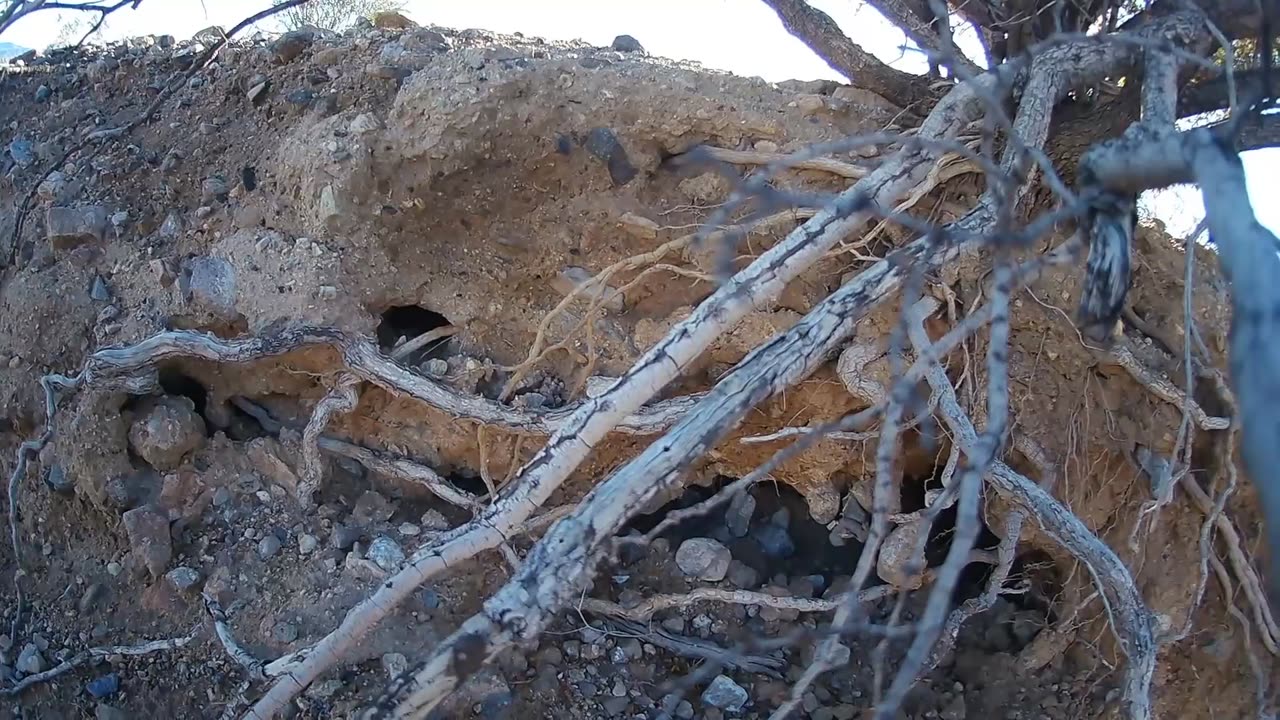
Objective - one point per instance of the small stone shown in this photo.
(436, 368)
(208, 285)
(165, 434)
(327, 292)
(409, 529)
(183, 578)
(684, 710)
(149, 537)
(743, 575)
(395, 664)
(307, 544)
(345, 536)
(221, 496)
(119, 218)
(114, 569)
(616, 705)
(43, 93)
(703, 558)
(372, 507)
(430, 599)
(99, 290)
(639, 226)
(810, 104)
(104, 687)
(256, 91)
(290, 45)
(725, 694)
(107, 712)
(738, 516)
(268, 546)
(626, 43)
(434, 521)
(30, 661)
(302, 97)
(56, 479)
(22, 151)
(68, 228)
(774, 540)
(386, 553)
(897, 553)
(674, 624)
(766, 146)
(214, 189)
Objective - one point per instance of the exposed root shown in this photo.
(84, 656)
(341, 398)
(822, 164)
(402, 351)
(1165, 390)
(658, 603)
(702, 650)
(377, 461)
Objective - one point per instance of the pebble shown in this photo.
(344, 536)
(774, 540)
(684, 710)
(434, 520)
(743, 575)
(738, 517)
(99, 291)
(104, 687)
(386, 553)
(30, 661)
(616, 705)
(183, 578)
(725, 694)
(372, 507)
(291, 44)
(68, 228)
(307, 544)
(626, 43)
(170, 430)
(268, 546)
(58, 481)
(214, 188)
(149, 537)
(43, 93)
(409, 529)
(114, 569)
(395, 664)
(208, 285)
(703, 558)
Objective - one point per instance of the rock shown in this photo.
(104, 687)
(774, 540)
(604, 144)
(639, 226)
(114, 569)
(307, 544)
(208, 285)
(394, 664)
(743, 575)
(301, 97)
(954, 710)
(149, 538)
(386, 553)
(738, 517)
(71, 227)
(626, 43)
(290, 45)
(30, 661)
(810, 104)
(616, 705)
(392, 20)
(725, 694)
(371, 507)
(706, 189)
(214, 189)
(435, 521)
(268, 546)
(896, 555)
(107, 712)
(56, 479)
(99, 290)
(43, 93)
(22, 151)
(436, 368)
(170, 430)
(409, 529)
(703, 558)
(345, 536)
(684, 710)
(183, 578)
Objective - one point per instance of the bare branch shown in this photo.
(817, 30)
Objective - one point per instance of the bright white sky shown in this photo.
(740, 36)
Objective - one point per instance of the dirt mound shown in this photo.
(445, 199)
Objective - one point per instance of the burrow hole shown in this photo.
(404, 323)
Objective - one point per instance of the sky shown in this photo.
(744, 37)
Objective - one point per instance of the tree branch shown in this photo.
(817, 30)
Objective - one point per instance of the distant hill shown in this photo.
(8, 50)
